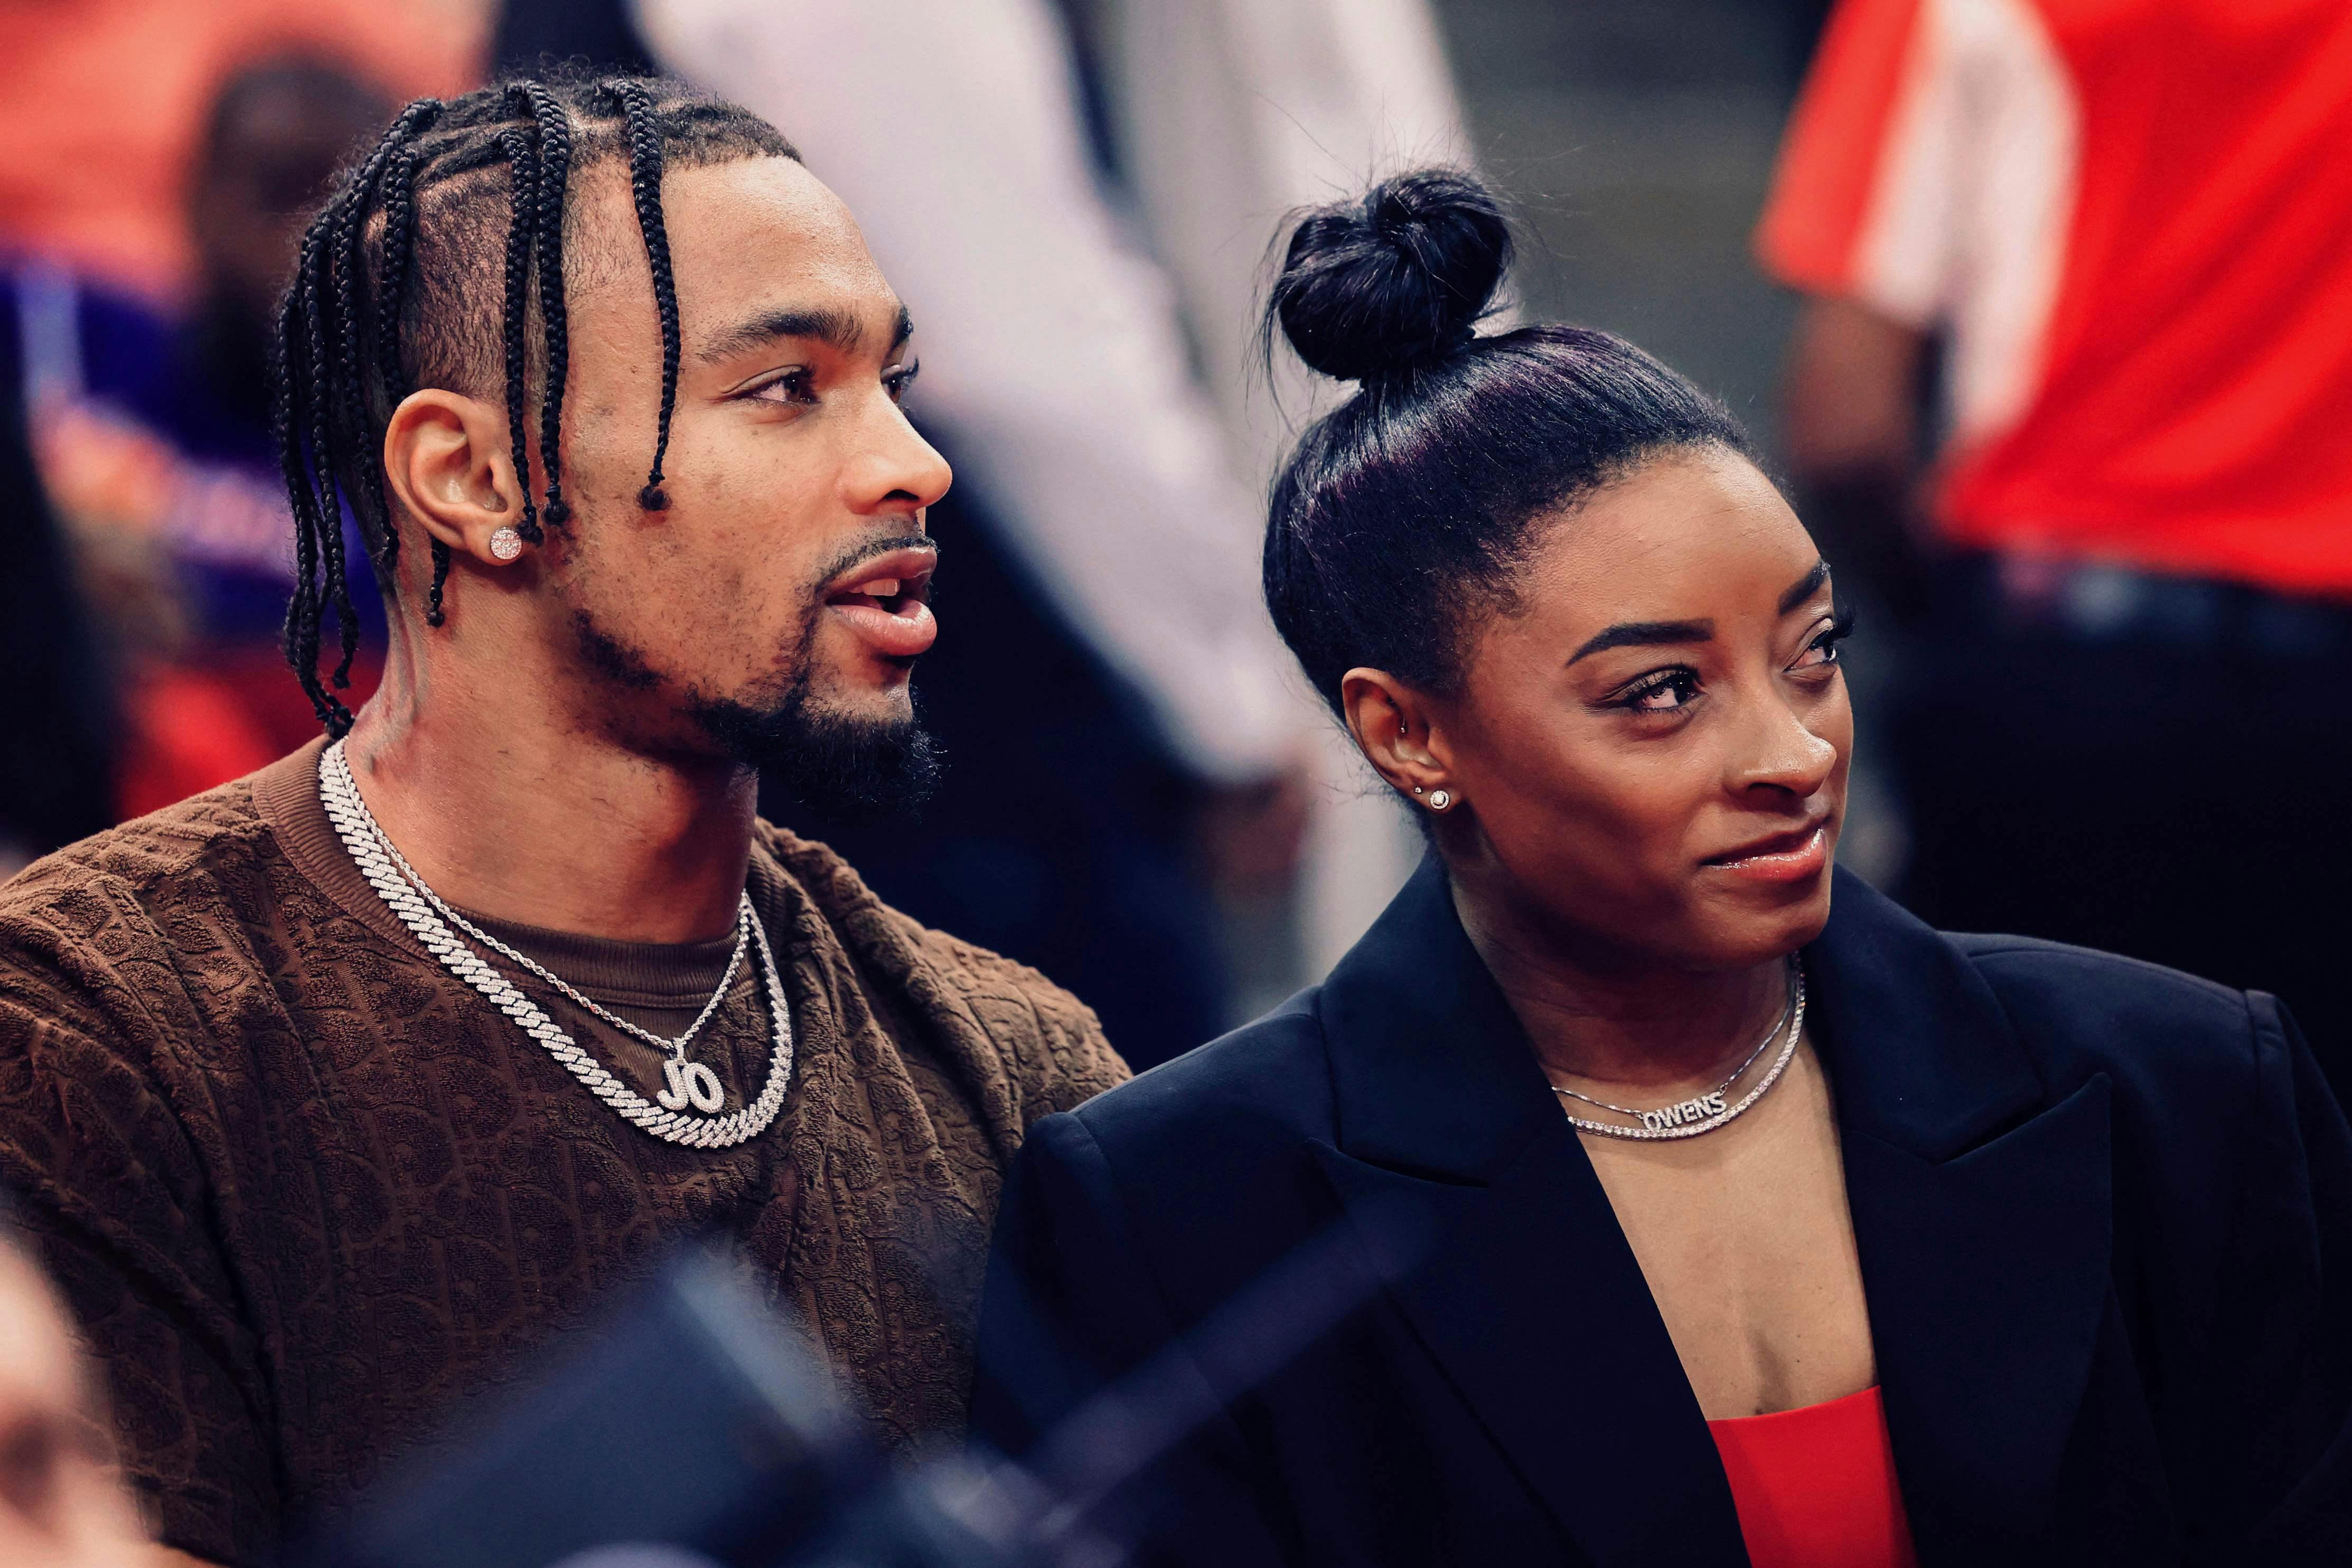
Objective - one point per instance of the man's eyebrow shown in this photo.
(1647, 634)
(838, 329)
(1806, 587)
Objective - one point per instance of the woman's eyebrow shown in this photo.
(1806, 587)
(1647, 634)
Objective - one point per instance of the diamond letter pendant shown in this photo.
(691, 1081)
(1689, 1111)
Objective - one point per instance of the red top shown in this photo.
(1816, 1487)
(2128, 216)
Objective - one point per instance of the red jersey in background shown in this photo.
(2132, 221)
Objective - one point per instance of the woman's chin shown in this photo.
(1746, 932)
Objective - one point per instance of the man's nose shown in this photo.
(898, 470)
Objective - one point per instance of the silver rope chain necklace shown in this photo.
(1703, 1113)
(689, 1083)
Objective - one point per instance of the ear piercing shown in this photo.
(506, 544)
(1438, 798)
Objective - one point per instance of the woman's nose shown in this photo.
(1782, 752)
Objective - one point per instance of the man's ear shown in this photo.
(448, 461)
(1394, 727)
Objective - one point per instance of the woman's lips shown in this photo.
(1790, 857)
(884, 603)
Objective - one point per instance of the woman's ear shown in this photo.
(448, 462)
(1395, 729)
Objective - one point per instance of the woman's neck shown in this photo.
(1597, 1014)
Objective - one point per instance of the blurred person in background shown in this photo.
(59, 734)
(62, 1501)
(1215, 120)
(104, 102)
(2112, 232)
(155, 438)
(119, 123)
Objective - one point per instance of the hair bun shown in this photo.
(1395, 280)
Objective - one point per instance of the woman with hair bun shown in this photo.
(1640, 1188)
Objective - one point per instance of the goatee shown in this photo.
(843, 768)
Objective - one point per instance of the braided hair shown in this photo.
(392, 291)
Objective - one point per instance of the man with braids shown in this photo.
(333, 1090)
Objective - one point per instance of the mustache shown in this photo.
(857, 555)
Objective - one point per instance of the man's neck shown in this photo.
(521, 813)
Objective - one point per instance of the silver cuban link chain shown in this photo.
(689, 1083)
(1705, 1113)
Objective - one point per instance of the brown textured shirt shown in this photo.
(304, 1188)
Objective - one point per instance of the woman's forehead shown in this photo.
(1693, 534)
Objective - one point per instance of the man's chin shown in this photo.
(843, 766)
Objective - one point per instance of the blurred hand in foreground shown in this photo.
(60, 1506)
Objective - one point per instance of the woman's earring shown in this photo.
(506, 544)
(1440, 799)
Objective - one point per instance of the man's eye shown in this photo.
(792, 386)
(900, 380)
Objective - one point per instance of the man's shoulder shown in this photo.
(186, 852)
(1036, 1025)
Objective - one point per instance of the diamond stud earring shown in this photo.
(506, 544)
(1440, 799)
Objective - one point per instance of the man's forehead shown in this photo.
(749, 237)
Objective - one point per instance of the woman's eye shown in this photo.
(792, 386)
(1822, 650)
(1662, 694)
(900, 380)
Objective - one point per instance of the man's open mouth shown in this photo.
(885, 602)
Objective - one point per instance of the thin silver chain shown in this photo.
(1730, 1078)
(1793, 1020)
(419, 909)
(672, 1046)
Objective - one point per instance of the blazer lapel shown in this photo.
(1981, 1211)
(1483, 1218)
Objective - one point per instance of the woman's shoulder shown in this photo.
(2160, 1031)
(1265, 1086)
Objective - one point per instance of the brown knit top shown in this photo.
(303, 1187)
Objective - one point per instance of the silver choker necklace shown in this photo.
(1705, 1113)
(429, 917)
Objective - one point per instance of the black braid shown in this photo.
(350, 387)
(554, 177)
(524, 168)
(399, 246)
(318, 360)
(440, 551)
(319, 319)
(645, 184)
(291, 390)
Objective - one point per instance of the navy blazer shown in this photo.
(1343, 1288)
